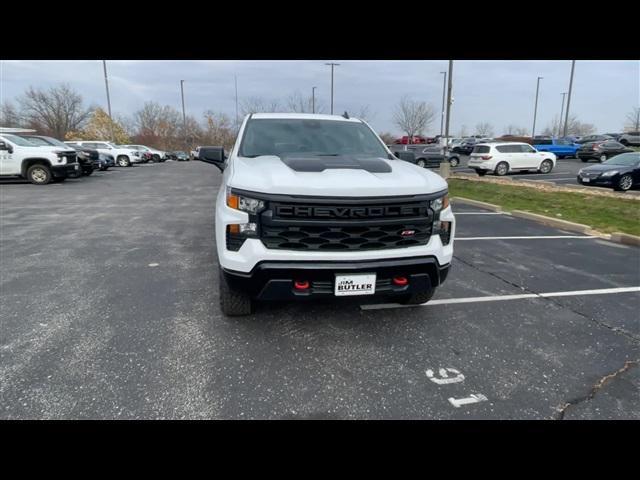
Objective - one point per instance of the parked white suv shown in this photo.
(504, 157)
(630, 138)
(125, 157)
(314, 206)
(40, 165)
(158, 155)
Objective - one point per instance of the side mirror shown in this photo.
(406, 156)
(6, 147)
(213, 155)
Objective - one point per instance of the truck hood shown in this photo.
(332, 176)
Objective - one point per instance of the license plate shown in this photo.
(77, 167)
(362, 284)
(585, 179)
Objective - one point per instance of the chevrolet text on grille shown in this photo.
(351, 212)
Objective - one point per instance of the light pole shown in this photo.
(184, 115)
(449, 88)
(564, 94)
(444, 90)
(566, 115)
(535, 108)
(313, 99)
(106, 83)
(332, 65)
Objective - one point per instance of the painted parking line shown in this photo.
(553, 179)
(480, 213)
(530, 237)
(500, 298)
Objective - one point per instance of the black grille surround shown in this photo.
(304, 223)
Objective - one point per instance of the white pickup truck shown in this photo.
(125, 157)
(40, 165)
(317, 206)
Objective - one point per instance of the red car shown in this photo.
(415, 140)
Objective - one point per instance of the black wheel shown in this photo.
(416, 298)
(546, 166)
(584, 160)
(421, 163)
(624, 141)
(502, 168)
(156, 158)
(88, 171)
(39, 174)
(232, 302)
(625, 182)
(454, 161)
(603, 158)
(481, 173)
(123, 161)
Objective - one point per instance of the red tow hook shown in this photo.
(301, 285)
(400, 281)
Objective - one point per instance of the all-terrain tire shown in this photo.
(232, 302)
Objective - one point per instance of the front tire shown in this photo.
(232, 302)
(454, 162)
(546, 166)
(584, 160)
(123, 161)
(421, 163)
(625, 182)
(603, 158)
(416, 298)
(39, 174)
(502, 169)
(624, 141)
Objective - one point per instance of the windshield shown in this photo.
(627, 159)
(282, 136)
(23, 142)
(40, 142)
(56, 142)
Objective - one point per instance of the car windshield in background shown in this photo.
(23, 142)
(626, 159)
(309, 137)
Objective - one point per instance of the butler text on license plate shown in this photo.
(361, 284)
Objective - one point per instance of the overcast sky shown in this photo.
(498, 92)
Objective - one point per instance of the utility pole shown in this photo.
(564, 94)
(106, 83)
(184, 115)
(313, 99)
(332, 65)
(566, 117)
(535, 108)
(444, 91)
(449, 88)
(237, 122)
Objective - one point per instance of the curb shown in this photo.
(476, 203)
(553, 222)
(625, 239)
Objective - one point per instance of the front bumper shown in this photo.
(608, 181)
(275, 280)
(66, 170)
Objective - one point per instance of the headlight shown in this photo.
(610, 173)
(439, 204)
(244, 204)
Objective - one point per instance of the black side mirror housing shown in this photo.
(213, 155)
(406, 156)
(4, 146)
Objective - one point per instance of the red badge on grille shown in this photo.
(407, 233)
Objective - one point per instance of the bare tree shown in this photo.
(633, 120)
(512, 129)
(413, 117)
(258, 105)
(10, 116)
(219, 129)
(55, 111)
(485, 129)
(574, 126)
(464, 131)
(365, 113)
(157, 126)
(387, 138)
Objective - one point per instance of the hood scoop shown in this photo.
(315, 163)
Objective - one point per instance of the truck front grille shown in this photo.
(332, 227)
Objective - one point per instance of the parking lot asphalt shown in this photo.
(564, 173)
(109, 309)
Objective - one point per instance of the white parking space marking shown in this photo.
(445, 379)
(553, 179)
(480, 213)
(475, 398)
(532, 237)
(498, 298)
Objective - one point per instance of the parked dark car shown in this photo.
(594, 138)
(105, 161)
(424, 156)
(87, 158)
(179, 156)
(466, 147)
(600, 151)
(621, 172)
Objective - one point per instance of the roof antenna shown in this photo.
(345, 114)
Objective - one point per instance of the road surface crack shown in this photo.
(562, 410)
